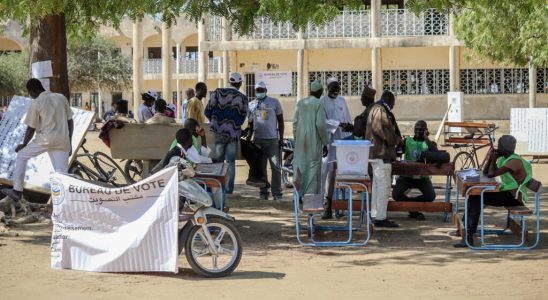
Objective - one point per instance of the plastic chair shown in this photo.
(518, 213)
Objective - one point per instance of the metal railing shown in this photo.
(187, 66)
(265, 29)
(416, 82)
(349, 23)
(403, 22)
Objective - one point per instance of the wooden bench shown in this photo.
(421, 169)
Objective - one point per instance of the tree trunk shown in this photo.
(48, 41)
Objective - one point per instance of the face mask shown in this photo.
(261, 96)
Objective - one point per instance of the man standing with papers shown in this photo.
(339, 126)
(49, 120)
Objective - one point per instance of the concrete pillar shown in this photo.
(300, 74)
(454, 69)
(166, 63)
(532, 86)
(202, 55)
(375, 18)
(227, 36)
(137, 64)
(179, 113)
(376, 70)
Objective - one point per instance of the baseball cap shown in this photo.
(235, 78)
(260, 85)
(153, 94)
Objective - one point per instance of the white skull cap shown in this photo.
(235, 77)
(260, 85)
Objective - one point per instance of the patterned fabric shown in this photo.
(227, 110)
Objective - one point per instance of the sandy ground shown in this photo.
(414, 261)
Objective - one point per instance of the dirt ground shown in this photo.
(414, 261)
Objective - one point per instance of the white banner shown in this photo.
(12, 132)
(127, 229)
(530, 128)
(277, 82)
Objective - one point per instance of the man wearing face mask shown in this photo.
(336, 111)
(414, 148)
(383, 132)
(267, 124)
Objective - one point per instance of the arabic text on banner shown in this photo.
(126, 229)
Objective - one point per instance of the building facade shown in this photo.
(384, 46)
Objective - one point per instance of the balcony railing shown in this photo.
(187, 66)
(265, 29)
(347, 24)
(403, 22)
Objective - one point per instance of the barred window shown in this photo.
(352, 82)
(416, 82)
(494, 81)
(542, 81)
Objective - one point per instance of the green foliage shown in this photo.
(14, 73)
(97, 62)
(504, 31)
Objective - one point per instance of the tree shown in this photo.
(95, 62)
(505, 31)
(13, 73)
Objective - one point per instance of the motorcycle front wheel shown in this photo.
(226, 241)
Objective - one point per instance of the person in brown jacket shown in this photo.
(383, 132)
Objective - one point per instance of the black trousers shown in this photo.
(404, 184)
(493, 199)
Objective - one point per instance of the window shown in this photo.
(250, 85)
(352, 82)
(76, 99)
(542, 81)
(416, 82)
(154, 52)
(494, 81)
(191, 53)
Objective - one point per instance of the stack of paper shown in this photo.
(469, 175)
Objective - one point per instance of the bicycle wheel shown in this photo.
(464, 160)
(79, 170)
(111, 171)
(132, 172)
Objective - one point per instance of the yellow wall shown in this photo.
(338, 59)
(257, 60)
(468, 60)
(7, 44)
(415, 58)
(124, 43)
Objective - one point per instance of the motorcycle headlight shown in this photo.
(195, 194)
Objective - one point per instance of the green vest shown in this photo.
(508, 183)
(196, 142)
(413, 150)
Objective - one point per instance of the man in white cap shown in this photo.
(227, 110)
(266, 122)
(311, 137)
(145, 109)
(336, 114)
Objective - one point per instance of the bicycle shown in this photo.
(468, 158)
(98, 167)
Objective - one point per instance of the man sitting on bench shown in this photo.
(414, 148)
(514, 171)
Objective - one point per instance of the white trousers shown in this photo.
(59, 160)
(382, 183)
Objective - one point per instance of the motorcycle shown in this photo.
(211, 242)
(287, 158)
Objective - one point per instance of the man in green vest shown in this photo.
(414, 148)
(514, 172)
